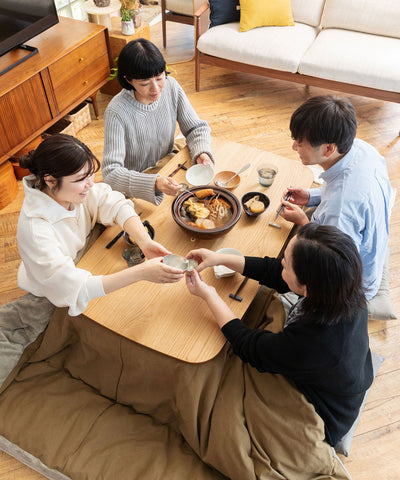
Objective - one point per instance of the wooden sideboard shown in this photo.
(72, 64)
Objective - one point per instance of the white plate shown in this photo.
(222, 271)
(199, 175)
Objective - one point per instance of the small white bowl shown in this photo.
(222, 271)
(199, 175)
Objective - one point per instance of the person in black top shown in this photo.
(323, 347)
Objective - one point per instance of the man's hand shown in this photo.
(293, 213)
(299, 196)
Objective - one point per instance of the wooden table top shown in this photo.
(166, 317)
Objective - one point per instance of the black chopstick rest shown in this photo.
(235, 295)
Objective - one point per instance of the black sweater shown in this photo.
(330, 364)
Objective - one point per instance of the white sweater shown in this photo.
(137, 136)
(49, 238)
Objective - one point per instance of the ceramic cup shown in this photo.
(182, 263)
(266, 174)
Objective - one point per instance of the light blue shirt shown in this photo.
(356, 199)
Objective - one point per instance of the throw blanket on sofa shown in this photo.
(94, 405)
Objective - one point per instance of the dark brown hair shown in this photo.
(327, 262)
(325, 119)
(59, 155)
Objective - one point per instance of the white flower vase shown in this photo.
(127, 28)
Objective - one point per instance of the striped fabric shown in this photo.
(137, 136)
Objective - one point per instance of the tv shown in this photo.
(21, 20)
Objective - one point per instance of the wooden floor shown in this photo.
(256, 111)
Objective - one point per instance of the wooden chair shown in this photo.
(180, 11)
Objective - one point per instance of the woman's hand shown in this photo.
(167, 185)
(204, 159)
(152, 249)
(156, 271)
(299, 196)
(204, 257)
(139, 234)
(293, 213)
(153, 270)
(220, 310)
(197, 286)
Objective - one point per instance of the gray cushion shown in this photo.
(380, 307)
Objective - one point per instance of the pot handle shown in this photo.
(149, 229)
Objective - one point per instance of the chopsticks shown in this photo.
(286, 198)
(117, 237)
(180, 165)
(235, 295)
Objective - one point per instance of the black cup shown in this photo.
(132, 254)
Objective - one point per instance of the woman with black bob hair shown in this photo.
(139, 60)
(140, 124)
(323, 346)
(61, 207)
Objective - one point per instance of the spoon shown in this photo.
(224, 184)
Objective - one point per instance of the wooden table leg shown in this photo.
(93, 100)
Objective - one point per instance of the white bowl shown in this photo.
(199, 175)
(222, 271)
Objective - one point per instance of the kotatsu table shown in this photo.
(143, 386)
(167, 318)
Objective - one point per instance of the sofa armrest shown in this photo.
(201, 20)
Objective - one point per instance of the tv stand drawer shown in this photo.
(72, 63)
(80, 59)
(82, 82)
(23, 111)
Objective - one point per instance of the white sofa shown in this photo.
(346, 45)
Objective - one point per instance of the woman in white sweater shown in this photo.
(140, 124)
(62, 205)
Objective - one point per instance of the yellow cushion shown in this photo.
(261, 13)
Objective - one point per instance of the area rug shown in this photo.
(151, 12)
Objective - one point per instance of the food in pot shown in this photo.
(206, 210)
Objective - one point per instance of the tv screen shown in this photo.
(21, 20)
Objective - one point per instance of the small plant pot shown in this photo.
(127, 28)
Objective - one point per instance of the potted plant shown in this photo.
(127, 27)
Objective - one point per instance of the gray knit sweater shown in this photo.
(137, 136)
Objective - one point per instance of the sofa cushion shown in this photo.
(279, 48)
(224, 11)
(256, 13)
(369, 16)
(356, 58)
(308, 11)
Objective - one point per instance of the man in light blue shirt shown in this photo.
(356, 194)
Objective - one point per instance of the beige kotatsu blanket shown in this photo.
(94, 405)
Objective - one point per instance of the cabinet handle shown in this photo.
(85, 82)
(81, 59)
